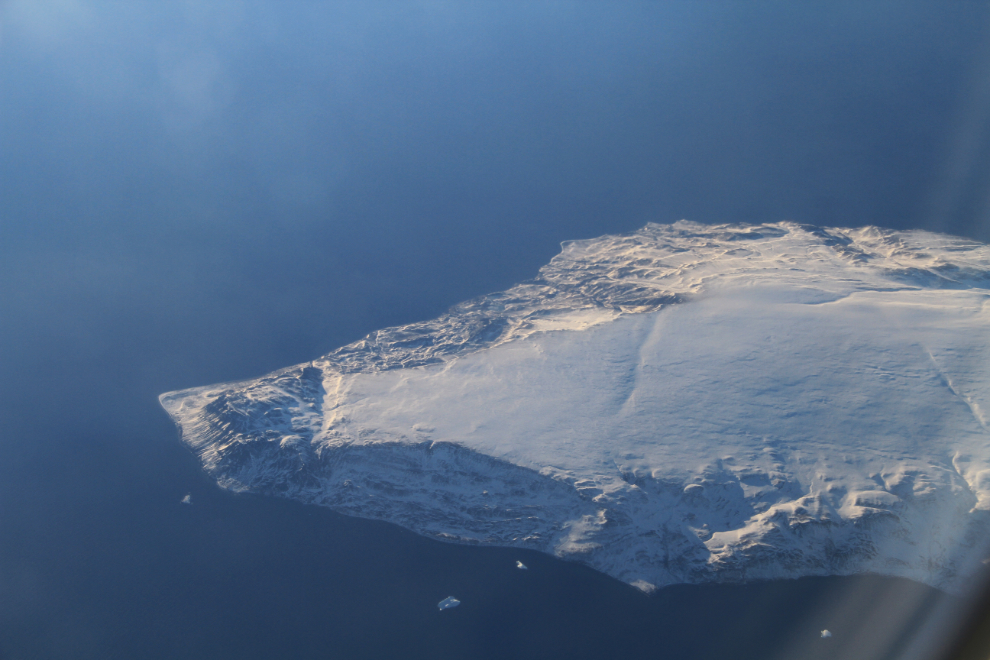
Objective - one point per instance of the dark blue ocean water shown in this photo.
(202, 193)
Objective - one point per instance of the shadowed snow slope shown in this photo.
(687, 403)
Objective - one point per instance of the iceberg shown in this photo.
(685, 403)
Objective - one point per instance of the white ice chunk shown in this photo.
(448, 603)
(521, 566)
(826, 633)
(187, 499)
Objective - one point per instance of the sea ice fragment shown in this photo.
(448, 603)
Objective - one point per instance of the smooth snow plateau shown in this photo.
(686, 403)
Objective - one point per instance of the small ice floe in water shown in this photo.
(187, 499)
(448, 603)
(826, 633)
(521, 566)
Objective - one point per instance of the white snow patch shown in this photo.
(644, 586)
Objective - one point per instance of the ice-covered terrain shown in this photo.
(686, 403)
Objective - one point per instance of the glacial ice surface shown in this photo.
(686, 403)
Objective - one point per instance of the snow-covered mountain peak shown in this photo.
(684, 403)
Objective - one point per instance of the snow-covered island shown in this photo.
(687, 403)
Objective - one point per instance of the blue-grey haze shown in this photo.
(200, 192)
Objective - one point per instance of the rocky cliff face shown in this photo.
(686, 403)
